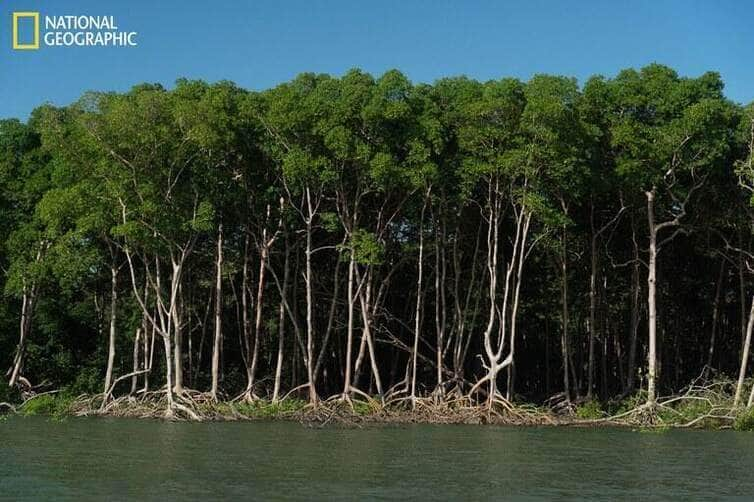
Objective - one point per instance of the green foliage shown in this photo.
(53, 405)
(367, 250)
(684, 411)
(370, 165)
(263, 409)
(88, 381)
(628, 403)
(589, 410)
(744, 420)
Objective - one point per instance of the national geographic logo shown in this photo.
(68, 31)
(34, 43)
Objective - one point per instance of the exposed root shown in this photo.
(701, 404)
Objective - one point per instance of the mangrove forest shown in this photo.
(504, 248)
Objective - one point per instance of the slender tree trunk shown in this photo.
(493, 228)
(168, 372)
(350, 321)
(652, 302)
(564, 318)
(365, 298)
(148, 355)
(744, 357)
(218, 314)
(27, 307)
(592, 309)
(135, 377)
(439, 304)
(281, 329)
(418, 313)
(111, 338)
(309, 280)
(147, 340)
(178, 346)
(28, 301)
(245, 321)
(635, 306)
(258, 316)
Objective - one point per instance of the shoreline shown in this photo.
(352, 413)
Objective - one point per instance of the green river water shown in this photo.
(117, 459)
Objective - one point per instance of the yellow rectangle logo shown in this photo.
(35, 43)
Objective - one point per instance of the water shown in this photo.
(131, 459)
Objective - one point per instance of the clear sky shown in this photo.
(258, 44)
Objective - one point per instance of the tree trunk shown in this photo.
(365, 298)
(27, 307)
(258, 316)
(350, 321)
(652, 302)
(439, 302)
(135, 377)
(564, 318)
(281, 330)
(169, 373)
(592, 310)
(744, 356)
(313, 399)
(178, 347)
(111, 341)
(635, 306)
(218, 314)
(417, 318)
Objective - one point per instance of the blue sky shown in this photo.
(258, 44)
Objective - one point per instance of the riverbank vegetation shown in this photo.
(361, 246)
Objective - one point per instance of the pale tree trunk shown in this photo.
(163, 320)
(169, 373)
(654, 248)
(135, 369)
(493, 227)
(263, 257)
(508, 311)
(652, 302)
(417, 318)
(257, 321)
(147, 340)
(516, 301)
(28, 301)
(365, 298)
(178, 348)
(245, 321)
(148, 355)
(27, 307)
(309, 282)
(350, 322)
(112, 332)
(281, 329)
(360, 359)
(744, 357)
(218, 314)
(439, 302)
